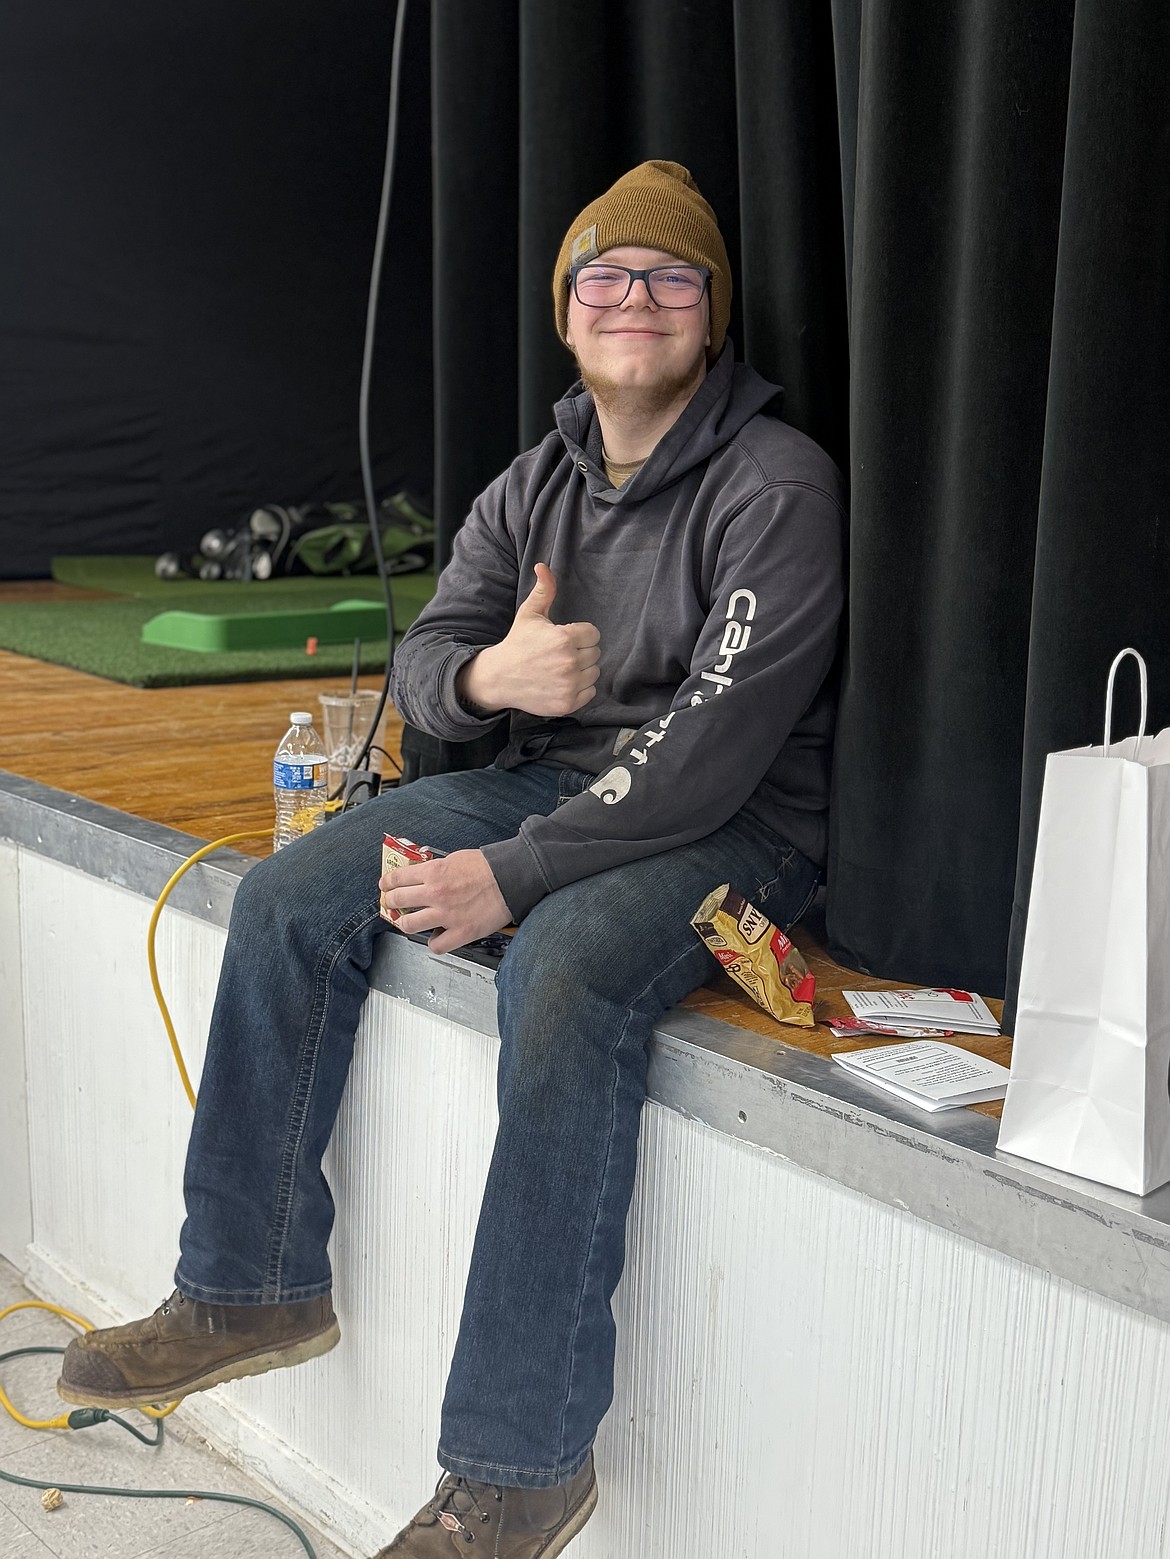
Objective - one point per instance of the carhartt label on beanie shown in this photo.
(657, 205)
(584, 246)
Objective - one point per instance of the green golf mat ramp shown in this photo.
(211, 632)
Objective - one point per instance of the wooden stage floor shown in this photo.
(133, 749)
(195, 758)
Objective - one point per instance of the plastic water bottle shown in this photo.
(298, 780)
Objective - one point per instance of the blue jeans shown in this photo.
(587, 975)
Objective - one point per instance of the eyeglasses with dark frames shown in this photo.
(600, 286)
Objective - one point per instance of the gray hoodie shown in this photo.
(715, 576)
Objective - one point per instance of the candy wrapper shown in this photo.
(854, 1028)
(401, 852)
(757, 955)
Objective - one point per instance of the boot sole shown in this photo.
(562, 1539)
(258, 1363)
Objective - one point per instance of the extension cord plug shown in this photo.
(360, 785)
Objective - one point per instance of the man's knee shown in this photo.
(556, 989)
(307, 888)
(262, 886)
(588, 945)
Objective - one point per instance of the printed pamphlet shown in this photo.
(961, 1012)
(928, 1073)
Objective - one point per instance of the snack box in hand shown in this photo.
(757, 955)
(401, 852)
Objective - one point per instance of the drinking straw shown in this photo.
(353, 676)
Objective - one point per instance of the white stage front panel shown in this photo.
(803, 1372)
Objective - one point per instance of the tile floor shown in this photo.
(87, 1526)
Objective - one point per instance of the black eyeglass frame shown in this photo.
(642, 276)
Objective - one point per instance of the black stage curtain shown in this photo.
(188, 196)
(951, 235)
(950, 227)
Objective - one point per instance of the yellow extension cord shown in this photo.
(39, 1304)
(192, 860)
(63, 1421)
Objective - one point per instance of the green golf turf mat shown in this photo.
(104, 637)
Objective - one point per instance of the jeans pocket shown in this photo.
(570, 783)
(809, 897)
(766, 886)
(793, 887)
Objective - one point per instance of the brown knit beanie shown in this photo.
(657, 205)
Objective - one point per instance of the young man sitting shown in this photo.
(650, 598)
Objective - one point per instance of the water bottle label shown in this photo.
(297, 776)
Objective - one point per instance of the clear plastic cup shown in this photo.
(346, 720)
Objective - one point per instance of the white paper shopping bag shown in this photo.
(1090, 1074)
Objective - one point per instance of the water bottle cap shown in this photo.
(301, 717)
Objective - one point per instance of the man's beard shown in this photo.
(643, 400)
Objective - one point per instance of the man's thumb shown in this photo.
(539, 601)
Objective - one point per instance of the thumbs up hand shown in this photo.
(541, 667)
(541, 596)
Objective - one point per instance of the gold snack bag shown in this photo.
(757, 955)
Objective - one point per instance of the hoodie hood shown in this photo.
(730, 395)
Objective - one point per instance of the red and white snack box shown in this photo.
(401, 852)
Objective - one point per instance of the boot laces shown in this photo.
(462, 1500)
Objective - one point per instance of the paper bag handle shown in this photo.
(1109, 695)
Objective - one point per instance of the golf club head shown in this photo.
(265, 525)
(172, 565)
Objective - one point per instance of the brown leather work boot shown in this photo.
(506, 1523)
(188, 1346)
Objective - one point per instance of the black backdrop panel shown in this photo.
(1102, 575)
(957, 153)
(188, 199)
